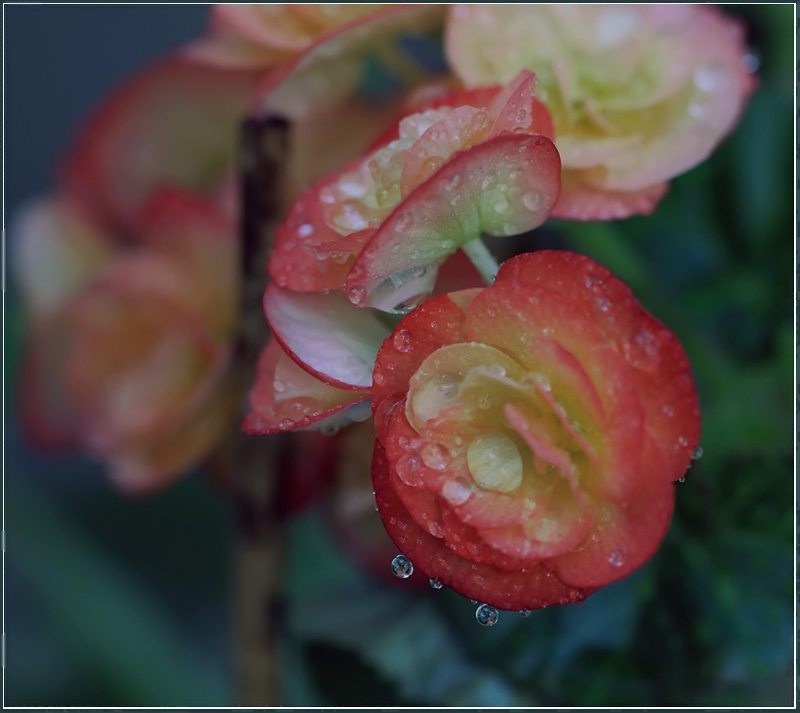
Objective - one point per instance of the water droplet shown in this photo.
(532, 200)
(682, 479)
(698, 453)
(435, 456)
(409, 469)
(668, 410)
(543, 380)
(696, 110)
(501, 206)
(682, 441)
(379, 378)
(617, 558)
(356, 295)
(750, 63)
(495, 462)
(603, 304)
(402, 341)
(402, 567)
(305, 230)
(435, 583)
(525, 612)
(405, 220)
(642, 350)
(711, 78)
(486, 615)
(457, 491)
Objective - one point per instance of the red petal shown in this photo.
(531, 587)
(658, 362)
(286, 398)
(626, 535)
(579, 201)
(294, 263)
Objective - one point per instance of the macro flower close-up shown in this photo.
(399, 356)
(532, 431)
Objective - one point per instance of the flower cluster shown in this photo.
(528, 432)
(530, 421)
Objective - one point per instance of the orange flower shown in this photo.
(529, 433)
(133, 366)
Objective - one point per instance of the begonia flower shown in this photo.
(638, 93)
(175, 124)
(134, 366)
(529, 433)
(474, 162)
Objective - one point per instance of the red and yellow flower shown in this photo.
(529, 433)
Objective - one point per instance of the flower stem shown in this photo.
(482, 259)
(259, 551)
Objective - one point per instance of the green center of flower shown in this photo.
(495, 462)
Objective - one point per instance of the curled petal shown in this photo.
(467, 196)
(286, 398)
(326, 335)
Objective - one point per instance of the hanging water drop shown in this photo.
(682, 479)
(402, 567)
(525, 613)
(435, 583)
(697, 454)
(486, 615)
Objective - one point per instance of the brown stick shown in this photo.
(258, 557)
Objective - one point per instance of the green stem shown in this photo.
(482, 259)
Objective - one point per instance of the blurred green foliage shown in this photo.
(125, 602)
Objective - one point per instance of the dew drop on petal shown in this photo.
(750, 63)
(532, 200)
(617, 558)
(435, 583)
(435, 456)
(402, 567)
(456, 491)
(501, 205)
(486, 615)
(682, 441)
(495, 462)
(402, 341)
(409, 469)
(356, 295)
(525, 613)
(405, 220)
(682, 479)
(698, 453)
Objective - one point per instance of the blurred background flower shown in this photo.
(113, 601)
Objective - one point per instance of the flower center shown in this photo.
(495, 462)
